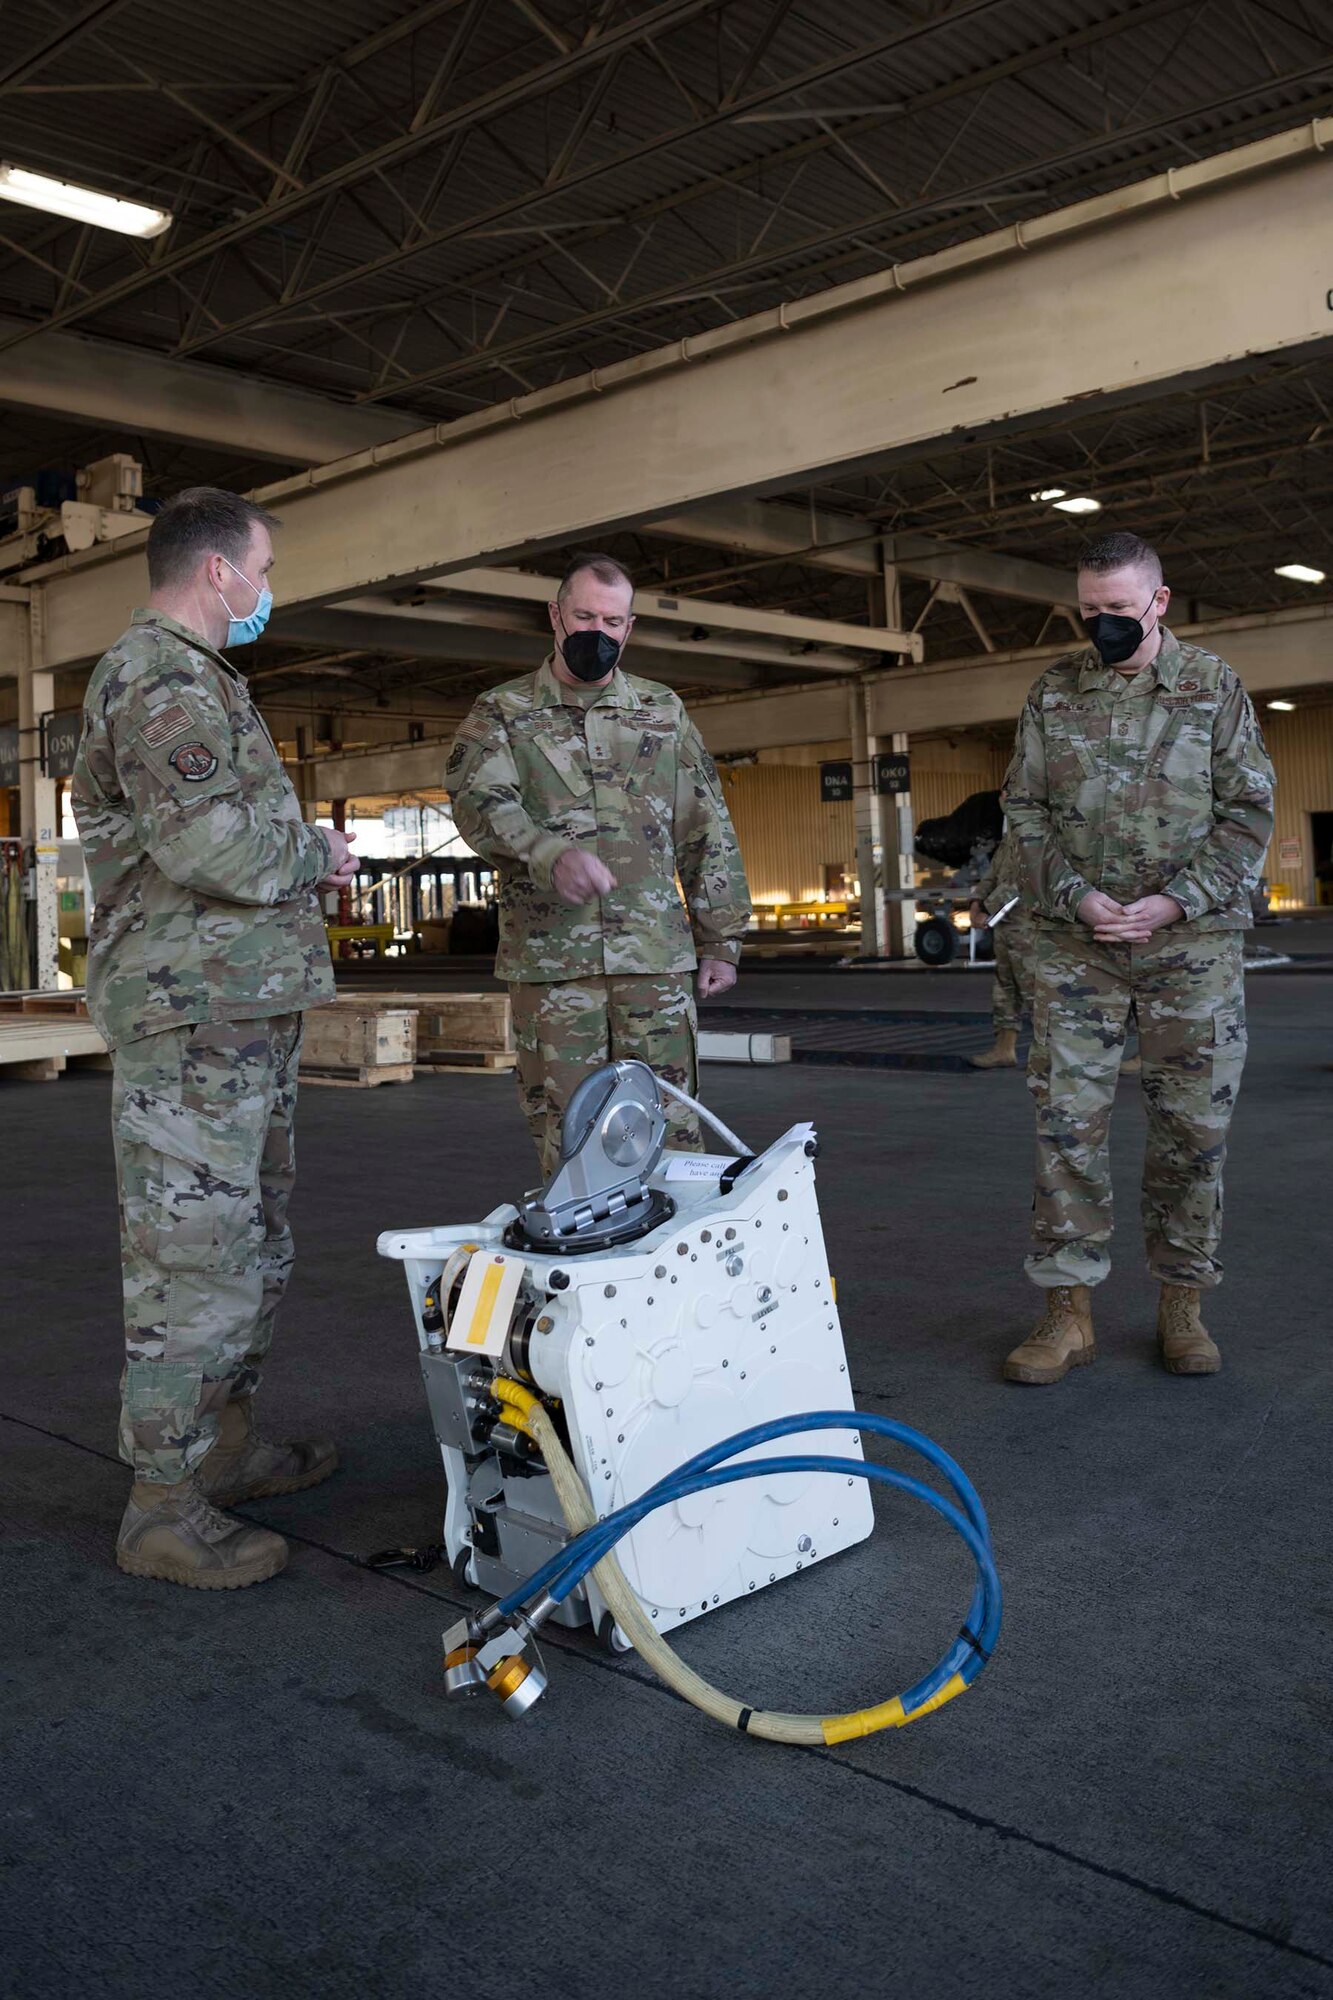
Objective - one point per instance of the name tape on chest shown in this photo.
(1188, 697)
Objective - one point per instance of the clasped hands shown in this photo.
(343, 863)
(578, 877)
(1127, 923)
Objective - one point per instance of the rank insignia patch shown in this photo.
(194, 761)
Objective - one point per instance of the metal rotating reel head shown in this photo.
(610, 1143)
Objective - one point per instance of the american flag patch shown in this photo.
(166, 725)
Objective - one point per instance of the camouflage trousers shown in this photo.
(565, 1028)
(1015, 951)
(205, 1159)
(1188, 993)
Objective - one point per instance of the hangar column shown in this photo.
(883, 803)
(868, 808)
(37, 793)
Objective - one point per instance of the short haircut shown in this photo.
(202, 521)
(605, 568)
(1120, 551)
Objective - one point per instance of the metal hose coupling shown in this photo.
(463, 1646)
(508, 1664)
(514, 1668)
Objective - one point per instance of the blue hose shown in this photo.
(977, 1637)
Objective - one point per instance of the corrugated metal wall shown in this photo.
(1301, 746)
(944, 773)
(787, 836)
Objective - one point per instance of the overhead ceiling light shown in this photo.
(81, 204)
(1286, 705)
(1049, 493)
(1299, 573)
(1082, 503)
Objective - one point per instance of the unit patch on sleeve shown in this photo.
(169, 723)
(194, 761)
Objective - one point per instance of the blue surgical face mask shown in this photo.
(243, 631)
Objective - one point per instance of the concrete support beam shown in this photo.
(700, 613)
(38, 827)
(898, 870)
(953, 566)
(866, 807)
(1277, 652)
(451, 632)
(822, 539)
(989, 334)
(109, 383)
(410, 767)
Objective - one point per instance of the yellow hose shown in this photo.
(526, 1411)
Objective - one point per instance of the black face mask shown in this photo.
(590, 656)
(1117, 639)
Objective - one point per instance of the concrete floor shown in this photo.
(264, 1793)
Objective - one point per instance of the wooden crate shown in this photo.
(360, 1037)
(449, 1023)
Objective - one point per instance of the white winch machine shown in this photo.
(616, 1370)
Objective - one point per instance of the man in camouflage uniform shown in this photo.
(591, 791)
(1141, 798)
(1015, 941)
(207, 944)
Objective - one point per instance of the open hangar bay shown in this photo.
(840, 326)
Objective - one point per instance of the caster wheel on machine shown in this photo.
(610, 1637)
(458, 1569)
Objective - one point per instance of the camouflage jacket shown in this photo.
(1000, 883)
(1155, 785)
(626, 775)
(202, 869)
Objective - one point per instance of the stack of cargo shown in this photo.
(360, 1041)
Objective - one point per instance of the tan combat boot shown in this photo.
(1003, 1056)
(1183, 1340)
(1061, 1339)
(173, 1534)
(241, 1466)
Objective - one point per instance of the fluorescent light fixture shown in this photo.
(1049, 493)
(1286, 706)
(1299, 573)
(80, 204)
(1082, 503)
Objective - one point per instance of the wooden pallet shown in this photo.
(63, 1005)
(481, 1062)
(363, 1078)
(35, 1050)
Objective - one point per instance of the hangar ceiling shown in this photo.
(422, 210)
